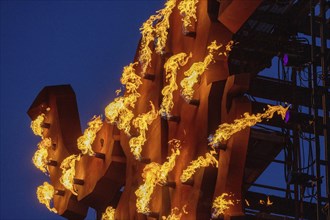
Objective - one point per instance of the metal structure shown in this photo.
(232, 86)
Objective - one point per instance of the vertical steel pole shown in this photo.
(323, 30)
(315, 108)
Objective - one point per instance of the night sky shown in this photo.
(85, 44)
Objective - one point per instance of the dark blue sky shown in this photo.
(82, 43)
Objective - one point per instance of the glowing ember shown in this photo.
(85, 141)
(221, 204)
(119, 111)
(227, 48)
(154, 174)
(68, 167)
(196, 70)
(187, 10)
(266, 203)
(45, 194)
(36, 125)
(247, 202)
(109, 214)
(201, 161)
(40, 157)
(225, 130)
(149, 32)
(171, 67)
(141, 123)
(175, 214)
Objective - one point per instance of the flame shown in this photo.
(175, 214)
(266, 203)
(109, 214)
(152, 175)
(196, 70)
(40, 157)
(171, 67)
(118, 111)
(68, 167)
(187, 10)
(247, 202)
(85, 141)
(141, 123)
(45, 194)
(149, 32)
(221, 204)
(201, 161)
(225, 130)
(228, 48)
(36, 125)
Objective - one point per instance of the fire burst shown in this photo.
(149, 32)
(40, 157)
(109, 214)
(119, 111)
(221, 204)
(175, 214)
(196, 70)
(171, 67)
(152, 175)
(141, 123)
(85, 141)
(68, 167)
(188, 12)
(45, 194)
(225, 130)
(201, 161)
(36, 125)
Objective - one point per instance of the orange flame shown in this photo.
(154, 174)
(119, 110)
(267, 202)
(68, 167)
(201, 161)
(141, 123)
(171, 67)
(45, 194)
(36, 125)
(221, 204)
(196, 70)
(225, 130)
(187, 10)
(85, 141)
(175, 214)
(109, 214)
(149, 32)
(40, 157)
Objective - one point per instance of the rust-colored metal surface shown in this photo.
(111, 177)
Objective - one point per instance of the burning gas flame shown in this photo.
(85, 141)
(221, 204)
(40, 157)
(175, 214)
(109, 214)
(36, 125)
(196, 70)
(119, 111)
(141, 123)
(45, 194)
(149, 32)
(225, 130)
(201, 161)
(187, 10)
(68, 167)
(171, 67)
(266, 203)
(152, 175)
